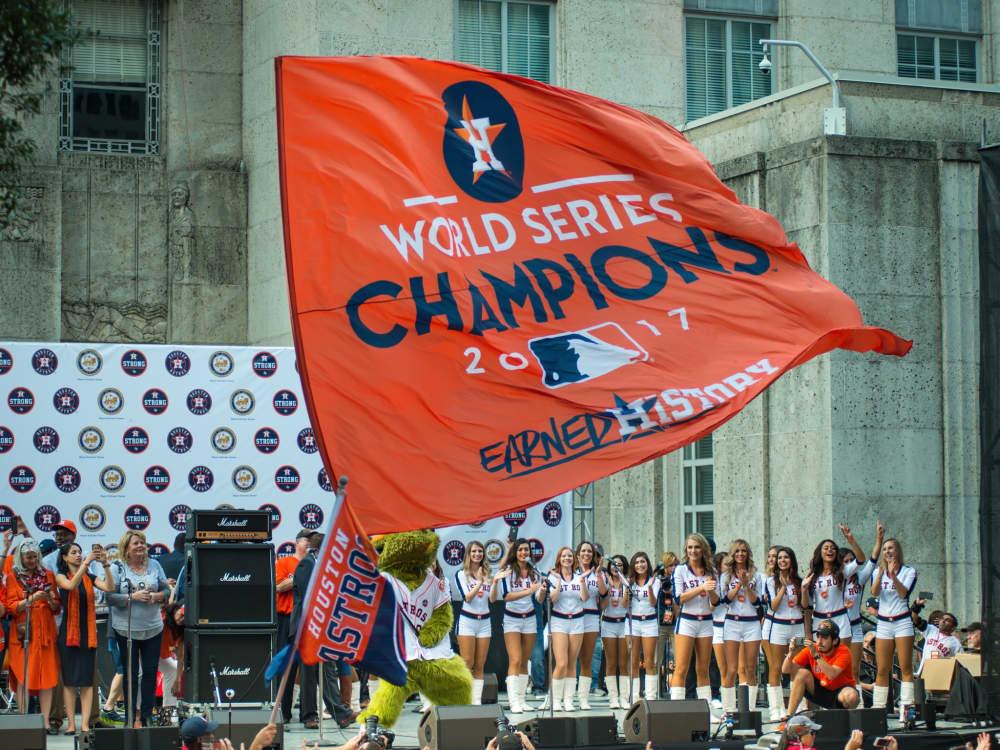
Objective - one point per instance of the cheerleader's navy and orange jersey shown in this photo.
(592, 605)
(740, 605)
(788, 607)
(937, 645)
(480, 603)
(570, 601)
(890, 603)
(854, 590)
(511, 584)
(684, 579)
(827, 595)
(644, 597)
(615, 608)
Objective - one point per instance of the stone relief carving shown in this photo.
(182, 233)
(23, 225)
(115, 323)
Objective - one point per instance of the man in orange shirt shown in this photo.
(822, 672)
(284, 571)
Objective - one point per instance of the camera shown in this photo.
(376, 737)
(506, 739)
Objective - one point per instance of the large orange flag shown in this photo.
(501, 290)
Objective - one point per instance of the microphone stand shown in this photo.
(322, 741)
(130, 704)
(215, 684)
(26, 645)
(230, 694)
(548, 624)
(631, 645)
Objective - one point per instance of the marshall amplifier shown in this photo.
(229, 585)
(229, 526)
(239, 658)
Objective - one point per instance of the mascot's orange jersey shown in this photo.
(501, 289)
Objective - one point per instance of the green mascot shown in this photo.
(432, 667)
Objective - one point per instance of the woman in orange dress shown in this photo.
(31, 585)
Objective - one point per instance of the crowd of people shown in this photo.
(705, 616)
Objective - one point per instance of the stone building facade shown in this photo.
(165, 226)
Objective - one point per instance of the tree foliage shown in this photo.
(33, 35)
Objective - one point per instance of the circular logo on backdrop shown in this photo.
(453, 552)
(6, 361)
(179, 440)
(552, 513)
(285, 403)
(275, 512)
(537, 550)
(155, 401)
(89, 362)
(65, 401)
(221, 363)
(306, 440)
(93, 517)
(156, 478)
(178, 363)
(44, 361)
(323, 480)
(67, 479)
(6, 439)
(21, 479)
(286, 478)
(244, 478)
(200, 479)
(266, 440)
(264, 364)
(311, 516)
(515, 518)
(242, 401)
(135, 440)
(46, 517)
(112, 478)
(110, 400)
(493, 551)
(6, 517)
(134, 362)
(90, 439)
(158, 550)
(285, 549)
(46, 440)
(199, 402)
(223, 440)
(137, 517)
(483, 148)
(178, 517)
(21, 400)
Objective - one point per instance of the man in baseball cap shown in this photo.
(801, 731)
(822, 671)
(196, 731)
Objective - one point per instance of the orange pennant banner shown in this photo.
(502, 290)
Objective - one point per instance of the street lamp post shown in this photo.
(835, 117)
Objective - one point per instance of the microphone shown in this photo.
(230, 694)
(342, 486)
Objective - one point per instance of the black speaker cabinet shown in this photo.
(242, 725)
(664, 722)
(240, 658)
(871, 721)
(551, 731)
(22, 732)
(836, 723)
(596, 730)
(491, 688)
(149, 738)
(458, 727)
(229, 585)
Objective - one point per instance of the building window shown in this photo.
(722, 57)
(951, 56)
(504, 35)
(109, 100)
(698, 490)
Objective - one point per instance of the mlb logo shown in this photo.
(579, 356)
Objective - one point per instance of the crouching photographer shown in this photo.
(376, 737)
(508, 738)
(821, 672)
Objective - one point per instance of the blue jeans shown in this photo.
(536, 666)
(595, 665)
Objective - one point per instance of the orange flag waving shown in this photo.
(501, 290)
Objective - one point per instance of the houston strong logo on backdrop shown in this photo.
(502, 290)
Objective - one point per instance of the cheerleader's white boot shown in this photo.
(477, 692)
(636, 689)
(568, 688)
(652, 690)
(880, 696)
(611, 682)
(677, 693)
(776, 702)
(751, 697)
(583, 693)
(728, 699)
(512, 701)
(704, 692)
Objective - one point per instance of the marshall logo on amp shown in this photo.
(228, 671)
(228, 577)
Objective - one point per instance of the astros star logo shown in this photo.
(479, 133)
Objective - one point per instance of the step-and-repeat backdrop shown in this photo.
(123, 436)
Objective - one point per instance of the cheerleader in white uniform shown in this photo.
(696, 594)
(719, 620)
(597, 587)
(614, 632)
(569, 594)
(472, 582)
(823, 589)
(893, 583)
(769, 568)
(854, 591)
(742, 588)
(515, 585)
(644, 593)
(783, 594)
